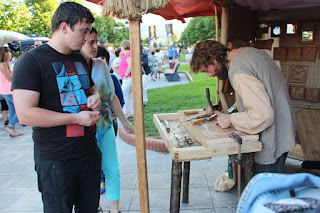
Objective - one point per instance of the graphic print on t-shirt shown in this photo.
(72, 80)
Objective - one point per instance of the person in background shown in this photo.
(105, 134)
(4, 111)
(53, 92)
(116, 63)
(153, 64)
(160, 61)
(5, 90)
(103, 54)
(37, 44)
(262, 98)
(146, 72)
(172, 53)
(125, 74)
(111, 57)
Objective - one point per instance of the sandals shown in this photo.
(12, 131)
(99, 210)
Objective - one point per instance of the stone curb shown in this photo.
(151, 143)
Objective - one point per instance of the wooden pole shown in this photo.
(217, 39)
(224, 40)
(136, 69)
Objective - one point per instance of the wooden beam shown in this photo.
(297, 14)
(224, 40)
(138, 108)
(217, 39)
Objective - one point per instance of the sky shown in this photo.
(158, 21)
(150, 20)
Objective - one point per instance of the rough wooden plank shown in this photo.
(197, 152)
(210, 134)
(309, 134)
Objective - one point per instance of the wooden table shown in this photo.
(182, 155)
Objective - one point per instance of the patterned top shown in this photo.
(105, 87)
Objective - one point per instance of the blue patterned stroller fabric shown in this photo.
(281, 193)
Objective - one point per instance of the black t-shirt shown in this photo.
(61, 81)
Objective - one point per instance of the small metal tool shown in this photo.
(212, 117)
(197, 117)
(166, 123)
(179, 139)
(189, 141)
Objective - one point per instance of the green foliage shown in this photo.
(14, 16)
(41, 12)
(182, 57)
(199, 28)
(110, 31)
(173, 39)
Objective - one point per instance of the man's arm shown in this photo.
(26, 104)
(259, 114)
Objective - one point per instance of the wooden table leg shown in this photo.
(248, 168)
(176, 175)
(186, 175)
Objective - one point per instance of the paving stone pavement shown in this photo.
(19, 193)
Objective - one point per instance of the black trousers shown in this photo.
(68, 183)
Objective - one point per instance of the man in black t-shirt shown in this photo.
(53, 92)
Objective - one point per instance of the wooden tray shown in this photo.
(209, 133)
(197, 151)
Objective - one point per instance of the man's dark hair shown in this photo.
(206, 52)
(71, 13)
(103, 52)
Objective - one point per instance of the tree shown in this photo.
(173, 39)
(198, 29)
(14, 16)
(110, 31)
(41, 13)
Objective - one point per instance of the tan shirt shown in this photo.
(259, 114)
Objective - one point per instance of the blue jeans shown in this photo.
(64, 183)
(13, 119)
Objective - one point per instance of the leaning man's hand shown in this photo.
(224, 121)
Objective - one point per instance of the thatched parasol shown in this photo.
(133, 10)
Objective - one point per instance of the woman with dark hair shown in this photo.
(5, 89)
(105, 133)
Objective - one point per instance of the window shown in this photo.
(307, 33)
(291, 29)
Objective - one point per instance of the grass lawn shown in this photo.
(179, 97)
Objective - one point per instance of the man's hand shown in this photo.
(94, 102)
(87, 118)
(128, 127)
(224, 121)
